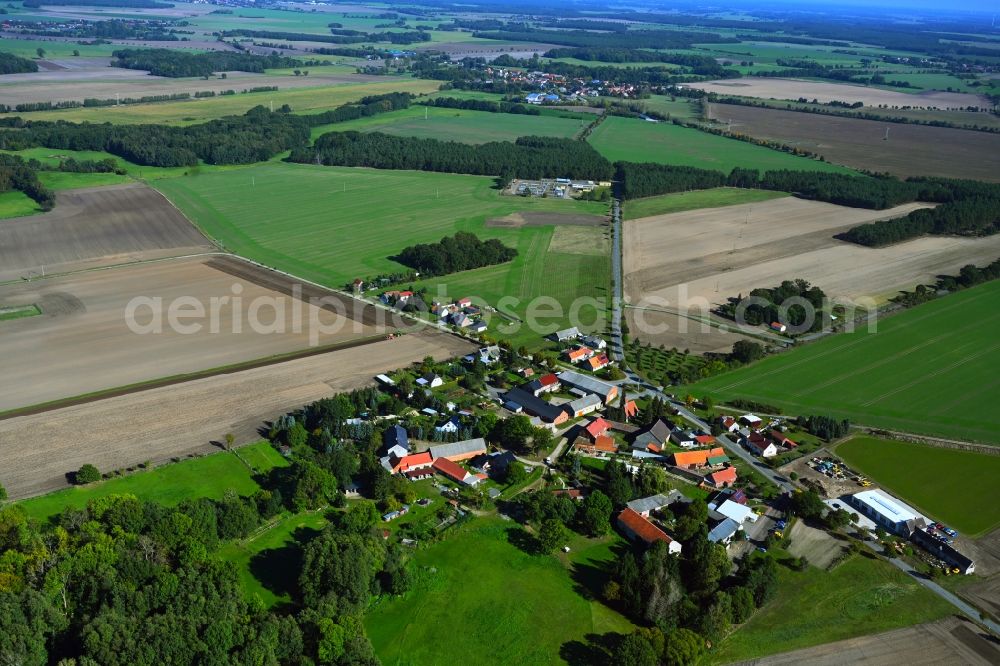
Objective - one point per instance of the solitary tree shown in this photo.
(88, 474)
(230, 438)
(551, 534)
(40, 51)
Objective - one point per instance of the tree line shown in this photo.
(461, 252)
(338, 36)
(16, 174)
(177, 64)
(640, 39)
(15, 64)
(969, 276)
(139, 4)
(256, 136)
(482, 105)
(700, 65)
(528, 157)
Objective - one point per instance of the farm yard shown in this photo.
(350, 221)
(914, 473)
(714, 253)
(911, 150)
(462, 125)
(90, 346)
(825, 92)
(927, 370)
(96, 227)
(502, 596)
(635, 140)
(173, 421)
(860, 596)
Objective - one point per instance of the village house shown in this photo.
(724, 531)
(594, 342)
(760, 445)
(596, 428)
(696, 459)
(729, 424)
(547, 383)
(638, 528)
(780, 439)
(430, 381)
(395, 435)
(601, 446)
(456, 472)
(723, 478)
(654, 438)
(577, 354)
(630, 409)
(566, 334)
(451, 426)
(598, 362)
(582, 406)
(518, 399)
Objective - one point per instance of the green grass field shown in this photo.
(266, 557)
(859, 597)
(930, 369)
(208, 476)
(15, 203)
(633, 140)
(943, 483)
(490, 599)
(10, 312)
(460, 125)
(347, 222)
(682, 201)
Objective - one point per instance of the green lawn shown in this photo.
(633, 140)
(509, 607)
(682, 201)
(460, 125)
(859, 597)
(267, 561)
(18, 311)
(347, 222)
(15, 203)
(208, 476)
(930, 369)
(943, 483)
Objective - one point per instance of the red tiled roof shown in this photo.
(631, 409)
(548, 380)
(728, 421)
(704, 440)
(417, 473)
(697, 457)
(414, 460)
(727, 475)
(572, 493)
(453, 471)
(605, 443)
(641, 527)
(597, 427)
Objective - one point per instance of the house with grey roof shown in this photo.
(455, 451)
(589, 384)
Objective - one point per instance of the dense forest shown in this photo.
(966, 207)
(255, 136)
(461, 252)
(700, 65)
(640, 39)
(137, 4)
(528, 157)
(338, 36)
(13, 64)
(177, 64)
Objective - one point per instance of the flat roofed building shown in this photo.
(887, 511)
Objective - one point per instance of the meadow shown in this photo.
(914, 473)
(15, 203)
(930, 370)
(348, 222)
(682, 201)
(633, 140)
(860, 596)
(506, 606)
(207, 476)
(461, 125)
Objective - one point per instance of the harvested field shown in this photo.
(674, 331)
(541, 219)
(96, 227)
(696, 249)
(819, 547)
(829, 92)
(911, 150)
(173, 421)
(952, 640)
(82, 342)
(104, 82)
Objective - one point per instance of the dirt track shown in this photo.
(948, 641)
(96, 227)
(82, 342)
(911, 150)
(37, 451)
(840, 92)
